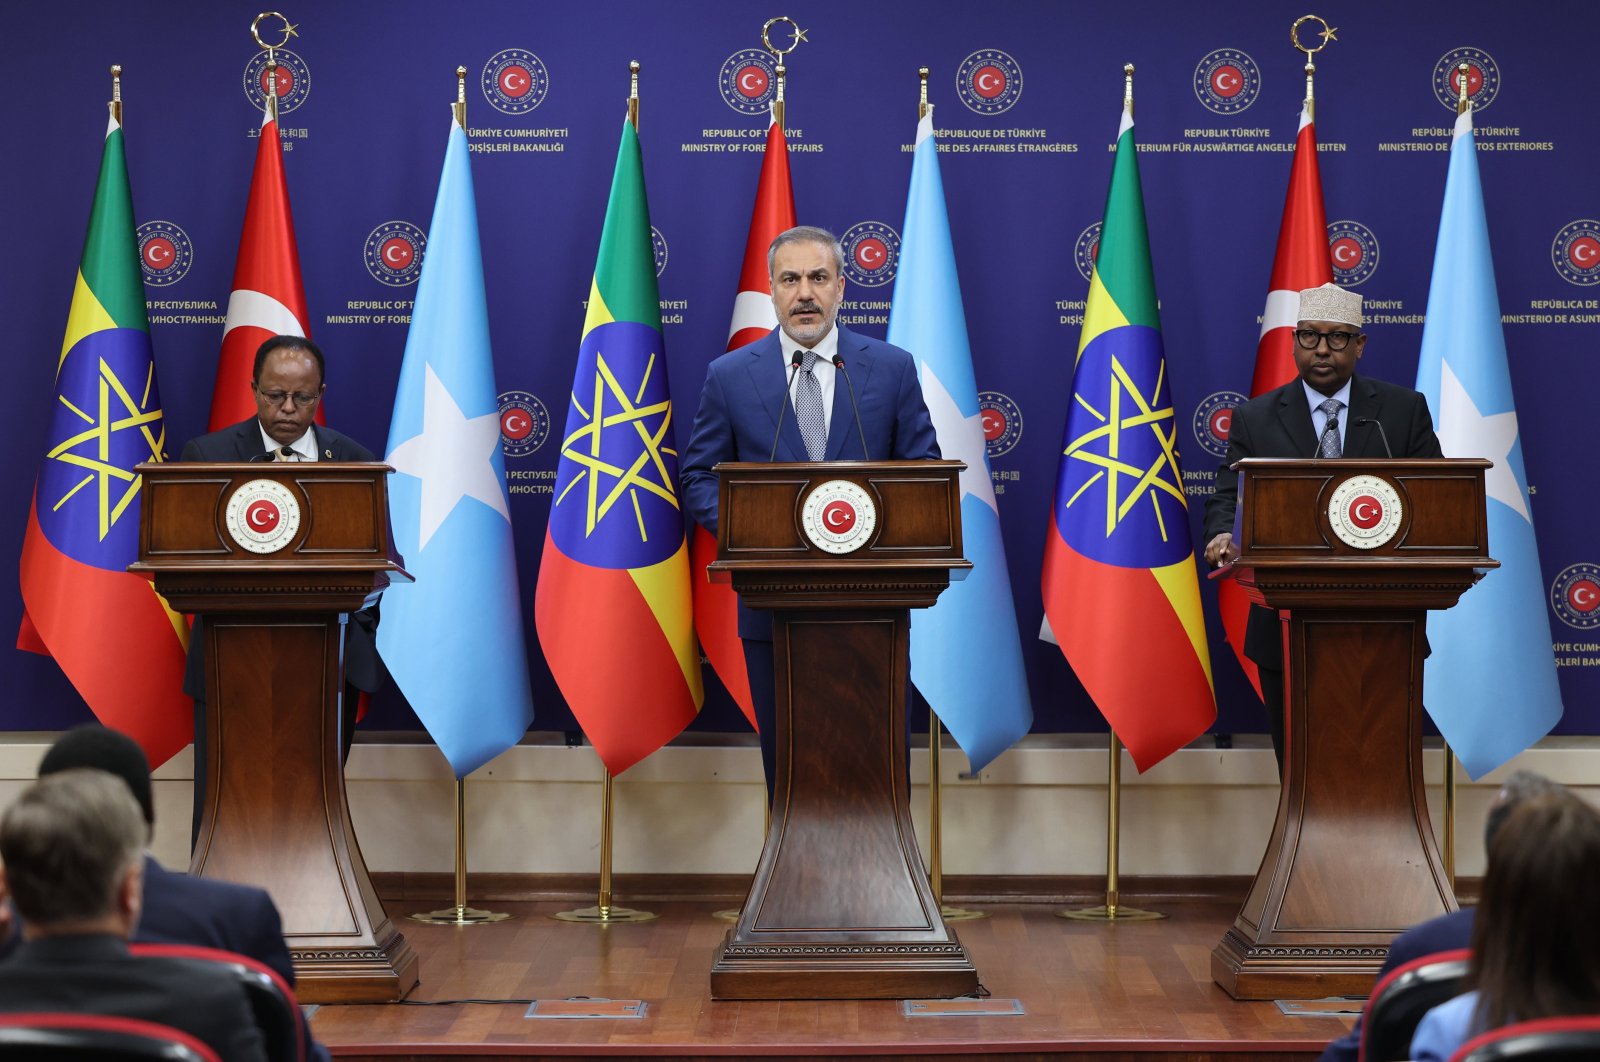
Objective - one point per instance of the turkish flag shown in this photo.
(1302, 261)
(716, 606)
(268, 298)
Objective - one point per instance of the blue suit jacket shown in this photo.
(745, 391)
(1445, 933)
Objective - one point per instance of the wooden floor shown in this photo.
(1091, 991)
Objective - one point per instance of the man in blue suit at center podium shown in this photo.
(787, 397)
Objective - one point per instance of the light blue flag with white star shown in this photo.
(1490, 684)
(966, 654)
(453, 639)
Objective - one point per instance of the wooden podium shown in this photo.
(1353, 554)
(840, 906)
(275, 556)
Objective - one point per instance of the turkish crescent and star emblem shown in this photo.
(621, 446)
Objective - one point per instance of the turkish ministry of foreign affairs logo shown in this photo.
(263, 515)
(1575, 596)
(1087, 249)
(871, 253)
(1365, 512)
(165, 253)
(748, 81)
(1483, 78)
(1227, 81)
(838, 516)
(1213, 420)
(989, 81)
(524, 423)
(1001, 419)
(1353, 250)
(1576, 252)
(515, 81)
(394, 253)
(291, 77)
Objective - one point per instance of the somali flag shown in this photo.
(453, 640)
(1490, 684)
(966, 655)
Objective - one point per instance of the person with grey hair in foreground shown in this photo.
(73, 852)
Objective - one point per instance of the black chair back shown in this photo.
(1544, 1040)
(96, 1038)
(1399, 1001)
(277, 1012)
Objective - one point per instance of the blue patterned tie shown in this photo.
(808, 409)
(1329, 446)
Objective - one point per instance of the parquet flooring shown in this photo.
(1129, 991)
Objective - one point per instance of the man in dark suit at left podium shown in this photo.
(287, 382)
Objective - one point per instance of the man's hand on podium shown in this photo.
(1221, 550)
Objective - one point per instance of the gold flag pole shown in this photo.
(1112, 910)
(1463, 105)
(460, 914)
(604, 912)
(289, 30)
(1327, 33)
(116, 94)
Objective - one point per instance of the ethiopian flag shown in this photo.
(1121, 593)
(613, 607)
(110, 632)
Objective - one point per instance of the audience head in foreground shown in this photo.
(72, 846)
(1536, 944)
(1536, 936)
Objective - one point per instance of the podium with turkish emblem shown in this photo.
(1352, 553)
(840, 906)
(275, 556)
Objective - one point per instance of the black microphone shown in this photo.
(794, 366)
(268, 456)
(1382, 435)
(838, 363)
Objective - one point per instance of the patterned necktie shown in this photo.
(285, 453)
(808, 409)
(1329, 446)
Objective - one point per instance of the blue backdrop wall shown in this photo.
(1026, 168)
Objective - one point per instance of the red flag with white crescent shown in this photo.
(1302, 261)
(716, 606)
(268, 298)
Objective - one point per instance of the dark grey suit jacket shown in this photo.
(1278, 424)
(242, 442)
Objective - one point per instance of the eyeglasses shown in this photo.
(1308, 338)
(299, 398)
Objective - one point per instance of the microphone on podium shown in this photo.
(838, 363)
(794, 366)
(1382, 435)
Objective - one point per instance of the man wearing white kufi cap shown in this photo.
(1329, 412)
